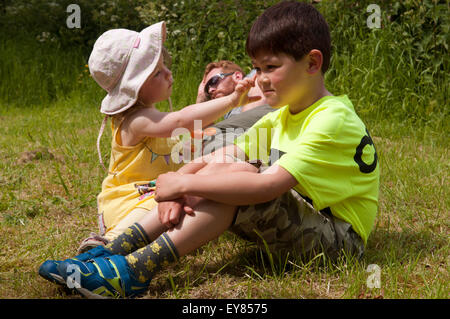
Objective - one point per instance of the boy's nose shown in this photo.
(262, 80)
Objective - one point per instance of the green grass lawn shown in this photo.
(396, 76)
(50, 176)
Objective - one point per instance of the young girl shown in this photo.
(130, 66)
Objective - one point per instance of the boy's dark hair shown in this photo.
(293, 28)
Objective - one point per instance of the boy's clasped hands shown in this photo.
(172, 204)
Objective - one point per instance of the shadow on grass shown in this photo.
(388, 247)
(245, 267)
(246, 264)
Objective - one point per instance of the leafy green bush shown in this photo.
(398, 71)
(203, 31)
(46, 20)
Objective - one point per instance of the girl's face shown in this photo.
(158, 86)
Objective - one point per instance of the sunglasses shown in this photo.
(214, 81)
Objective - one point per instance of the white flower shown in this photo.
(44, 36)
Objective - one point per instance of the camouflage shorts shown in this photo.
(289, 224)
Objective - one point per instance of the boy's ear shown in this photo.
(315, 61)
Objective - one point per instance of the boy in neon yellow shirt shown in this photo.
(317, 147)
(319, 193)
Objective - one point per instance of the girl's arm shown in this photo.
(151, 122)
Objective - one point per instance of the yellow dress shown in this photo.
(130, 165)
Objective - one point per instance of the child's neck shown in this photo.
(144, 105)
(313, 94)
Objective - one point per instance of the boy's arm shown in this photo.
(235, 188)
(170, 211)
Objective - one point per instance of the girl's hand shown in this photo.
(239, 96)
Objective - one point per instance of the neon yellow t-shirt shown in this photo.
(329, 151)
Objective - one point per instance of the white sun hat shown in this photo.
(122, 60)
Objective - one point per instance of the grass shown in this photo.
(49, 175)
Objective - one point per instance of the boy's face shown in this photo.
(282, 79)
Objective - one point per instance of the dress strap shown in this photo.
(100, 133)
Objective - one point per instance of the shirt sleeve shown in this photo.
(255, 142)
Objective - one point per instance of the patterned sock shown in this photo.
(146, 261)
(133, 238)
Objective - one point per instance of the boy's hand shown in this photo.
(170, 212)
(239, 96)
(169, 186)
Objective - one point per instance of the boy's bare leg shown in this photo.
(211, 219)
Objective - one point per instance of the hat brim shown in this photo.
(147, 48)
